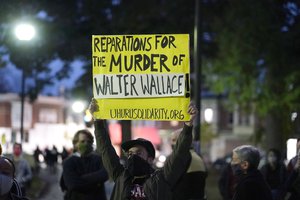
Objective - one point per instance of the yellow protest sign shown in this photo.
(141, 77)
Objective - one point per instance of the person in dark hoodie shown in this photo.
(137, 180)
(250, 182)
(83, 174)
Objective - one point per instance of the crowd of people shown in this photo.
(183, 176)
(242, 177)
(49, 156)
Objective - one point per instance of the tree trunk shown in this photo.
(275, 130)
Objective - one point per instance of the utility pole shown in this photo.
(197, 72)
(24, 32)
(22, 105)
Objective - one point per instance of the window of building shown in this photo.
(48, 115)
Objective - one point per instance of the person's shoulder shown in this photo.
(253, 177)
(292, 161)
(72, 158)
(95, 155)
(157, 176)
(157, 173)
(282, 165)
(23, 161)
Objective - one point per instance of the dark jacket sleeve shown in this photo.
(99, 176)
(173, 168)
(74, 181)
(110, 159)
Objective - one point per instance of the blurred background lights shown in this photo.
(160, 162)
(78, 106)
(25, 31)
(208, 115)
(162, 158)
(174, 123)
(291, 148)
(293, 116)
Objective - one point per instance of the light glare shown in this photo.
(208, 115)
(162, 158)
(291, 148)
(78, 107)
(25, 32)
(294, 116)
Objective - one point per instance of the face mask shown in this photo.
(137, 166)
(85, 148)
(272, 159)
(5, 184)
(236, 169)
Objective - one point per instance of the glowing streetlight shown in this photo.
(78, 106)
(208, 115)
(24, 32)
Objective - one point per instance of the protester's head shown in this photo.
(17, 149)
(140, 147)
(273, 156)
(244, 159)
(174, 137)
(83, 142)
(140, 154)
(6, 176)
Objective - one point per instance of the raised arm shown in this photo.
(111, 160)
(180, 157)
